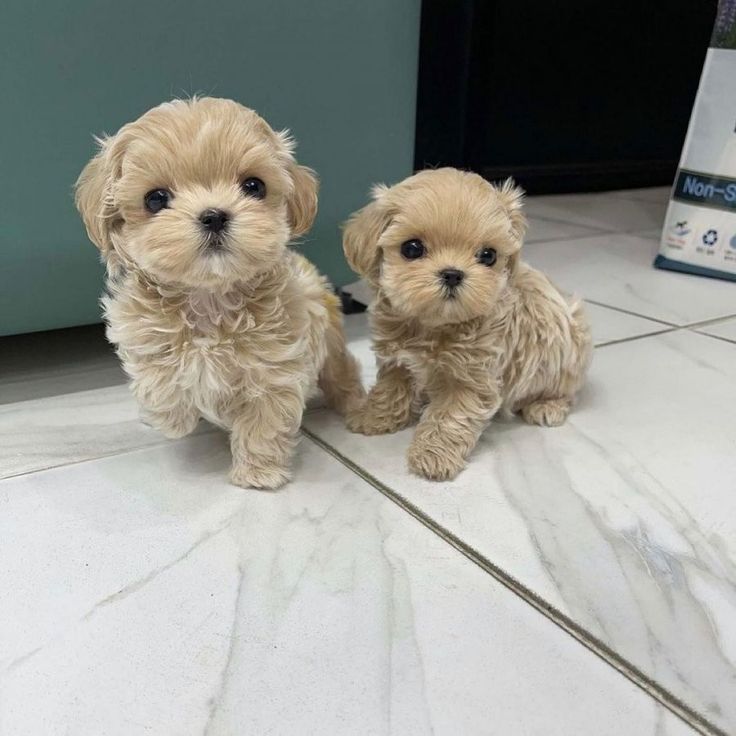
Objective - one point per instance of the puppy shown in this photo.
(192, 206)
(461, 327)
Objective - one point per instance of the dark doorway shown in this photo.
(565, 96)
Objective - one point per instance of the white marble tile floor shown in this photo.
(578, 580)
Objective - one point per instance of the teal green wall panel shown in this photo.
(341, 74)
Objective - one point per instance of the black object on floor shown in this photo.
(350, 305)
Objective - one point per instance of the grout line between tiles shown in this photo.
(697, 326)
(687, 714)
(597, 230)
(81, 461)
(594, 232)
(619, 340)
(67, 391)
(67, 373)
(709, 322)
(623, 194)
(105, 455)
(668, 326)
(714, 337)
(630, 313)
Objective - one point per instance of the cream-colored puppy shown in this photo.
(461, 327)
(192, 206)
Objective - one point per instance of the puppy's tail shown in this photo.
(340, 376)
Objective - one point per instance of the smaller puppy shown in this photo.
(461, 326)
(193, 206)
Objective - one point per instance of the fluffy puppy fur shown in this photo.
(462, 328)
(192, 206)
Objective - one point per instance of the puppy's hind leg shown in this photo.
(339, 378)
(553, 399)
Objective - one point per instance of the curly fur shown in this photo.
(241, 335)
(506, 339)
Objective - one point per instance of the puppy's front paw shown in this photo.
(546, 413)
(368, 421)
(171, 424)
(434, 462)
(268, 478)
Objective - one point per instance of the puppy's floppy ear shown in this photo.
(302, 204)
(302, 201)
(512, 264)
(361, 233)
(94, 195)
(512, 199)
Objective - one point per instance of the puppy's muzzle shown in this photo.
(451, 279)
(214, 223)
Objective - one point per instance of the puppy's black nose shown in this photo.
(452, 277)
(214, 221)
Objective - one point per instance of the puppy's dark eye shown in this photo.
(412, 249)
(253, 187)
(487, 256)
(157, 200)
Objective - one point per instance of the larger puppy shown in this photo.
(192, 206)
(461, 327)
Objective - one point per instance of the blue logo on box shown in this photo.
(732, 242)
(710, 237)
